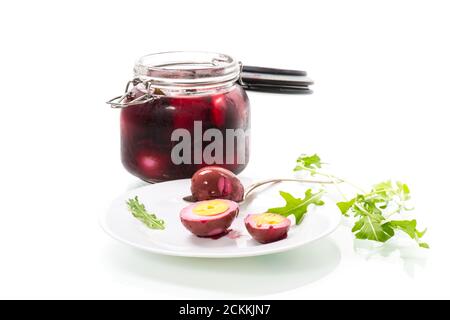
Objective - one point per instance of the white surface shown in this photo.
(380, 110)
(166, 199)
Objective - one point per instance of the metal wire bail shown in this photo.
(240, 81)
(118, 102)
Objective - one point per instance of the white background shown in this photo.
(379, 111)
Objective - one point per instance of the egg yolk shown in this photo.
(269, 218)
(211, 208)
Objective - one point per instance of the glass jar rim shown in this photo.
(192, 69)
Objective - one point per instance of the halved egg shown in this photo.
(209, 218)
(267, 227)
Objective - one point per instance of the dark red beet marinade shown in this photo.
(218, 236)
(146, 131)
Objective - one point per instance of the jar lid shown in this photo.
(275, 80)
(186, 68)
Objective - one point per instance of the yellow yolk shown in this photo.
(211, 208)
(269, 218)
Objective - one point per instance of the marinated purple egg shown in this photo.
(267, 227)
(214, 182)
(209, 218)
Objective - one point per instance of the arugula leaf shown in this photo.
(370, 225)
(424, 245)
(387, 190)
(403, 191)
(410, 228)
(138, 210)
(372, 228)
(344, 206)
(298, 206)
(407, 226)
(372, 209)
(312, 162)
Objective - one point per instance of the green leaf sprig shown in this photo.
(298, 206)
(138, 210)
(312, 163)
(372, 210)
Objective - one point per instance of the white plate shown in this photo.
(165, 200)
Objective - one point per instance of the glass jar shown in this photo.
(184, 110)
